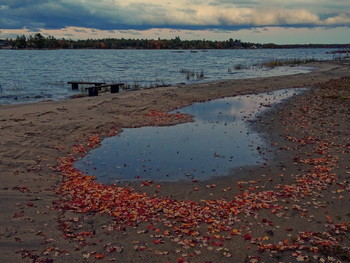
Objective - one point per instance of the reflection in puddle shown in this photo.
(217, 141)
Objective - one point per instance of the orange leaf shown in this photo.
(99, 256)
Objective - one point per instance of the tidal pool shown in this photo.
(218, 140)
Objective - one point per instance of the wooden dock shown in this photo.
(98, 86)
(75, 84)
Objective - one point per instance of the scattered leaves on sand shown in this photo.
(209, 223)
(158, 117)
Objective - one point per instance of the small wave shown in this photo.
(53, 83)
(8, 99)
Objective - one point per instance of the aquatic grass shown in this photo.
(192, 75)
(141, 84)
(17, 86)
(240, 66)
(237, 67)
(341, 54)
(160, 82)
(284, 62)
(271, 64)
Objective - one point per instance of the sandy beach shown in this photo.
(293, 208)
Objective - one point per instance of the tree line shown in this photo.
(38, 41)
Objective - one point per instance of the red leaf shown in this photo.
(247, 237)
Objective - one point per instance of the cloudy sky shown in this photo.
(263, 21)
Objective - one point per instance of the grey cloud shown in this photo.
(80, 30)
(186, 11)
(50, 14)
(129, 32)
(69, 35)
(21, 3)
(238, 3)
(109, 15)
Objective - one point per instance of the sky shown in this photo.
(258, 21)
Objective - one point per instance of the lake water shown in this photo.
(218, 140)
(36, 75)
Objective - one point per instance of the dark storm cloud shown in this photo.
(48, 14)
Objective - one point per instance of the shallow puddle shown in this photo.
(218, 140)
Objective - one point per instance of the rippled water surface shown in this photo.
(216, 142)
(35, 75)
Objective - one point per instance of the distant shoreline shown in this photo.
(39, 41)
(332, 46)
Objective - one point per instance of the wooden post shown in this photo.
(93, 91)
(75, 86)
(115, 88)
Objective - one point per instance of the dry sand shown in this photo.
(307, 134)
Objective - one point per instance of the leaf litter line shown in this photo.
(182, 220)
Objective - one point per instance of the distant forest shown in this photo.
(38, 41)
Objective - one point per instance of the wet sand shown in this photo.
(308, 158)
